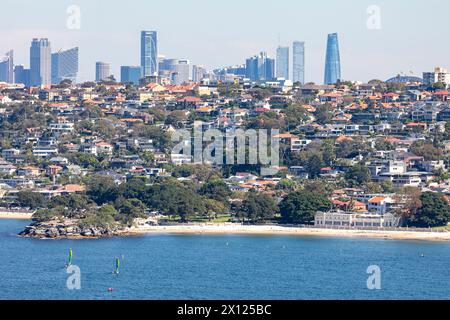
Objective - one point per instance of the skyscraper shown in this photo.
(176, 69)
(40, 62)
(260, 67)
(130, 74)
(198, 73)
(298, 66)
(7, 67)
(283, 62)
(149, 53)
(65, 65)
(22, 75)
(102, 70)
(332, 60)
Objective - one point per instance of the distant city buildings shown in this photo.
(198, 73)
(149, 53)
(22, 75)
(40, 62)
(51, 68)
(298, 66)
(440, 75)
(260, 67)
(65, 65)
(332, 60)
(130, 74)
(177, 70)
(7, 67)
(102, 71)
(283, 62)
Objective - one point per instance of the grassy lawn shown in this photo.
(221, 218)
(447, 228)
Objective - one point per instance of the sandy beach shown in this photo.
(291, 231)
(16, 215)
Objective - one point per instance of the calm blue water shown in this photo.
(221, 267)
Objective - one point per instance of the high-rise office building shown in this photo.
(176, 69)
(102, 71)
(149, 53)
(7, 67)
(237, 70)
(283, 62)
(198, 73)
(130, 74)
(22, 75)
(65, 65)
(40, 62)
(260, 67)
(439, 75)
(332, 60)
(298, 65)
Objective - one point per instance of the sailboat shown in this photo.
(70, 258)
(116, 270)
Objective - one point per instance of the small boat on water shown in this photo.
(69, 263)
(117, 268)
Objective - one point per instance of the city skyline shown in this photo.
(204, 42)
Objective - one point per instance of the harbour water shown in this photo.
(221, 267)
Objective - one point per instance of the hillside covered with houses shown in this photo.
(350, 155)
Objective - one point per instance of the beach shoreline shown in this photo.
(16, 215)
(268, 230)
(255, 230)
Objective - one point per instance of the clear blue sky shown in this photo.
(413, 34)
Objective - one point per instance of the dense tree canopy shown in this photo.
(434, 211)
(301, 206)
(258, 207)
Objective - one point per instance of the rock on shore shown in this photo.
(54, 230)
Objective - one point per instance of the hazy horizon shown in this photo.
(223, 34)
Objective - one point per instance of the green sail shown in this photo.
(117, 265)
(70, 256)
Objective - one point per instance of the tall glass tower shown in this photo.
(298, 66)
(260, 67)
(102, 71)
(130, 74)
(65, 65)
(283, 62)
(40, 62)
(332, 60)
(149, 53)
(7, 67)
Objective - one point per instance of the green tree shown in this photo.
(176, 118)
(134, 188)
(314, 164)
(426, 150)
(323, 114)
(216, 189)
(175, 199)
(85, 160)
(129, 210)
(434, 212)
(358, 173)
(30, 199)
(258, 206)
(301, 206)
(295, 115)
(102, 189)
(439, 86)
